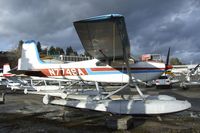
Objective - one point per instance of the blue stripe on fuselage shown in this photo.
(90, 72)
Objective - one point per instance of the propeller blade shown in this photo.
(167, 60)
(196, 67)
(194, 70)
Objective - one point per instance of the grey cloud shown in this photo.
(153, 25)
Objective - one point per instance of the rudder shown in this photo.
(29, 56)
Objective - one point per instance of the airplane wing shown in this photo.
(104, 37)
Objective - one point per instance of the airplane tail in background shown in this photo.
(29, 56)
(6, 69)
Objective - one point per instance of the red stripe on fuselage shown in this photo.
(115, 69)
(104, 69)
(8, 75)
(82, 71)
(148, 68)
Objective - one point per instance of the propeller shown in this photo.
(167, 66)
(195, 69)
(167, 60)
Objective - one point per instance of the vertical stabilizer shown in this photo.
(6, 71)
(6, 68)
(29, 56)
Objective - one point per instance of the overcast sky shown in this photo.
(153, 25)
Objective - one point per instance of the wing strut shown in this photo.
(131, 82)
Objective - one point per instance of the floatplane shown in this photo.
(6, 69)
(6, 75)
(187, 75)
(105, 38)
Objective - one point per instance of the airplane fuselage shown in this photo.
(89, 71)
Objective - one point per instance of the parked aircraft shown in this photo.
(105, 38)
(5, 71)
(187, 75)
(184, 69)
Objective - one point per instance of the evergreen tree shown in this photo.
(75, 53)
(69, 50)
(19, 49)
(59, 51)
(39, 47)
(62, 51)
(175, 61)
(86, 54)
(44, 51)
(52, 51)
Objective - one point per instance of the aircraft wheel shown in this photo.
(25, 91)
(45, 99)
(63, 96)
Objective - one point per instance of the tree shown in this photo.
(87, 54)
(39, 47)
(62, 51)
(175, 61)
(75, 53)
(70, 51)
(59, 50)
(52, 51)
(44, 51)
(19, 49)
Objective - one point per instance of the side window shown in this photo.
(99, 63)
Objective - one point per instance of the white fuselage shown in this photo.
(89, 70)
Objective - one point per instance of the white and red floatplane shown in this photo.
(105, 38)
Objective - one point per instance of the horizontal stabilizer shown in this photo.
(28, 73)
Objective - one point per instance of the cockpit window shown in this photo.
(115, 62)
(100, 63)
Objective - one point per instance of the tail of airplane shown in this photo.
(29, 56)
(6, 68)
